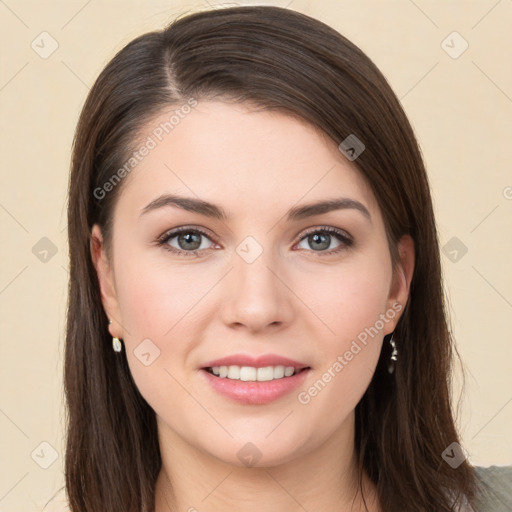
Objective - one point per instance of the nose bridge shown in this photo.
(257, 297)
(252, 269)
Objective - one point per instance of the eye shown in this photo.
(320, 239)
(188, 241)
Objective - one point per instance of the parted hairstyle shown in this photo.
(281, 60)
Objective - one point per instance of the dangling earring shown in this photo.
(116, 344)
(394, 356)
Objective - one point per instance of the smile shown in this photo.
(253, 374)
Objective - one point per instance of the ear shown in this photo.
(106, 281)
(401, 282)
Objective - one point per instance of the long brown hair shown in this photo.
(285, 61)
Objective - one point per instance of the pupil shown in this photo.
(188, 238)
(316, 239)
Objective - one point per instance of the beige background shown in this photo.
(461, 109)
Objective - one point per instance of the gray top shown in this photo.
(495, 489)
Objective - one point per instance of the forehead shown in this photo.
(240, 156)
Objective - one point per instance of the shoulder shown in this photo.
(494, 489)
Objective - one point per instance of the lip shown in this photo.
(254, 392)
(255, 361)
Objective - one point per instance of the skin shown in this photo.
(291, 301)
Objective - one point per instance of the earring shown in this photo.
(116, 344)
(394, 356)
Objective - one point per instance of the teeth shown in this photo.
(288, 371)
(269, 373)
(247, 373)
(251, 374)
(234, 372)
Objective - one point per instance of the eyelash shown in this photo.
(162, 241)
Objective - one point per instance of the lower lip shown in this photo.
(255, 393)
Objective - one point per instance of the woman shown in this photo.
(256, 316)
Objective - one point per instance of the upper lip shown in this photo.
(255, 361)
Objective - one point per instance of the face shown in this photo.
(270, 284)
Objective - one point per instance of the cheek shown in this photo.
(162, 307)
(158, 316)
(350, 299)
(157, 300)
(351, 303)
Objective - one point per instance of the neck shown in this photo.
(324, 479)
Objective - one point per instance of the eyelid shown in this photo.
(171, 233)
(346, 240)
(328, 229)
(343, 236)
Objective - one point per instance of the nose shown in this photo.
(257, 297)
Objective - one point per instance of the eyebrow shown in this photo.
(214, 211)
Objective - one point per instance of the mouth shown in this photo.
(254, 374)
(255, 379)
(255, 385)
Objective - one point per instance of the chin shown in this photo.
(257, 453)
